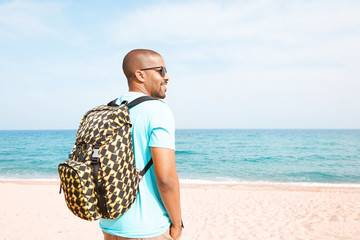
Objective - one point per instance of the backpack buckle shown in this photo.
(95, 155)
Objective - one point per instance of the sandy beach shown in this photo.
(35, 210)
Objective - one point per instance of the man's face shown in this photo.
(155, 83)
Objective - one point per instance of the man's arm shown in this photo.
(168, 185)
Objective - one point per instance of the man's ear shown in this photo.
(140, 76)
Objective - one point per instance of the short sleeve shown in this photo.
(162, 127)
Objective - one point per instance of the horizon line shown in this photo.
(73, 129)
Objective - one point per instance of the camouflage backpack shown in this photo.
(100, 178)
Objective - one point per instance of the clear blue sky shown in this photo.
(232, 64)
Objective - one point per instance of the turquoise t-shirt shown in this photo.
(152, 126)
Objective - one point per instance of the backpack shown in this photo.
(100, 179)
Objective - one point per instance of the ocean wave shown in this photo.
(316, 176)
(185, 152)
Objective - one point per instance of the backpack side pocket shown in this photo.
(77, 182)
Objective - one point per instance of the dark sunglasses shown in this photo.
(163, 70)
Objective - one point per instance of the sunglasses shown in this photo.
(163, 70)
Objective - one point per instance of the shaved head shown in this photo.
(138, 59)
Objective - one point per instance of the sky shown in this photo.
(232, 64)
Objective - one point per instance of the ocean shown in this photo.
(265, 156)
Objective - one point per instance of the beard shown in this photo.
(160, 94)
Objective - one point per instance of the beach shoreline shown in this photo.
(210, 211)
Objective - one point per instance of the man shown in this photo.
(156, 212)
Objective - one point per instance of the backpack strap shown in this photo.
(113, 103)
(98, 185)
(139, 100)
(132, 103)
(146, 168)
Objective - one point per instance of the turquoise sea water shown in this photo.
(250, 156)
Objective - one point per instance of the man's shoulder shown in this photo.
(156, 103)
(155, 107)
(151, 108)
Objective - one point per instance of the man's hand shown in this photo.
(175, 232)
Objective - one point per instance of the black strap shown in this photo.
(132, 103)
(113, 103)
(139, 100)
(98, 185)
(148, 165)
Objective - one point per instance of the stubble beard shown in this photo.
(161, 94)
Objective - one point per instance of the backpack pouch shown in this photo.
(77, 182)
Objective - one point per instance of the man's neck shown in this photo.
(139, 90)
